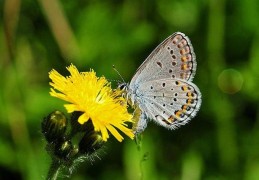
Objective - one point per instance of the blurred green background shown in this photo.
(221, 142)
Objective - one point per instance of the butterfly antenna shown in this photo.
(113, 66)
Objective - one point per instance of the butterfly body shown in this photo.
(161, 87)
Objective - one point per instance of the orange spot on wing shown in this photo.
(171, 119)
(184, 88)
(184, 108)
(182, 51)
(184, 66)
(178, 114)
(190, 101)
(184, 58)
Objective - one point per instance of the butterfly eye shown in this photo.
(122, 86)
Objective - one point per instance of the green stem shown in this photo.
(53, 170)
(138, 140)
(141, 170)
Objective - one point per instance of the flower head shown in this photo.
(96, 100)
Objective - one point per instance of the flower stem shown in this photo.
(53, 170)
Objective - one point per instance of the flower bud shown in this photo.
(65, 150)
(90, 142)
(54, 126)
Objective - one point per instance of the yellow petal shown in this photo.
(83, 118)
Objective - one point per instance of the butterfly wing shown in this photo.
(170, 102)
(174, 58)
(172, 62)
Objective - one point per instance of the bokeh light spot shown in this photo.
(230, 81)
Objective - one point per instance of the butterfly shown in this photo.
(161, 89)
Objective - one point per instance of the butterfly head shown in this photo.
(123, 87)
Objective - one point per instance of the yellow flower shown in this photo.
(94, 97)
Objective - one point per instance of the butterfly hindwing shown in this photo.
(171, 103)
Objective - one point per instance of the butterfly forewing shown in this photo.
(173, 58)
